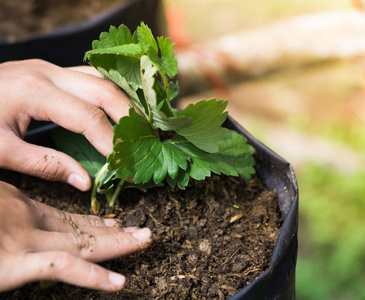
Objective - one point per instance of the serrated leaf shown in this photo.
(141, 65)
(167, 63)
(118, 41)
(137, 125)
(115, 76)
(138, 152)
(128, 67)
(174, 90)
(206, 128)
(234, 157)
(132, 50)
(79, 148)
(117, 50)
(115, 37)
(145, 38)
(165, 119)
(181, 180)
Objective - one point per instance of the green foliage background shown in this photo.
(331, 263)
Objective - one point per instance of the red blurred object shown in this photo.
(359, 4)
(176, 25)
(179, 34)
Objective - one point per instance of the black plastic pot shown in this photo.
(66, 46)
(278, 282)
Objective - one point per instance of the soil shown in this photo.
(199, 251)
(20, 19)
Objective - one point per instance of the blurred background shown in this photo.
(294, 74)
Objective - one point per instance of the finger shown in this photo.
(55, 216)
(61, 266)
(92, 247)
(83, 82)
(94, 90)
(86, 69)
(59, 221)
(75, 115)
(54, 224)
(41, 162)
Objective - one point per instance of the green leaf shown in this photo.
(146, 39)
(181, 180)
(116, 36)
(79, 148)
(174, 89)
(206, 129)
(138, 152)
(132, 50)
(117, 41)
(115, 76)
(234, 157)
(127, 67)
(142, 65)
(167, 63)
(117, 50)
(117, 55)
(163, 117)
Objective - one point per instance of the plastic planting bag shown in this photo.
(278, 282)
(66, 46)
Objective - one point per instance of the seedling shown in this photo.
(157, 143)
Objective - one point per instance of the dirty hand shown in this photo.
(38, 242)
(73, 98)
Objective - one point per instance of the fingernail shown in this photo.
(116, 279)
(78, 182)
(142, 235)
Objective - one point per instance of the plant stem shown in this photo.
(116, 192)
(166, 84)
(149, 114)
(95, 205)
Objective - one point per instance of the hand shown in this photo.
(73, 98)
(38, 242)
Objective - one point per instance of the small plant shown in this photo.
(156, 142)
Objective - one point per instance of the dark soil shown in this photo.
(23, 18)
(199, 252)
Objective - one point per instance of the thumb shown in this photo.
(42, 162)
